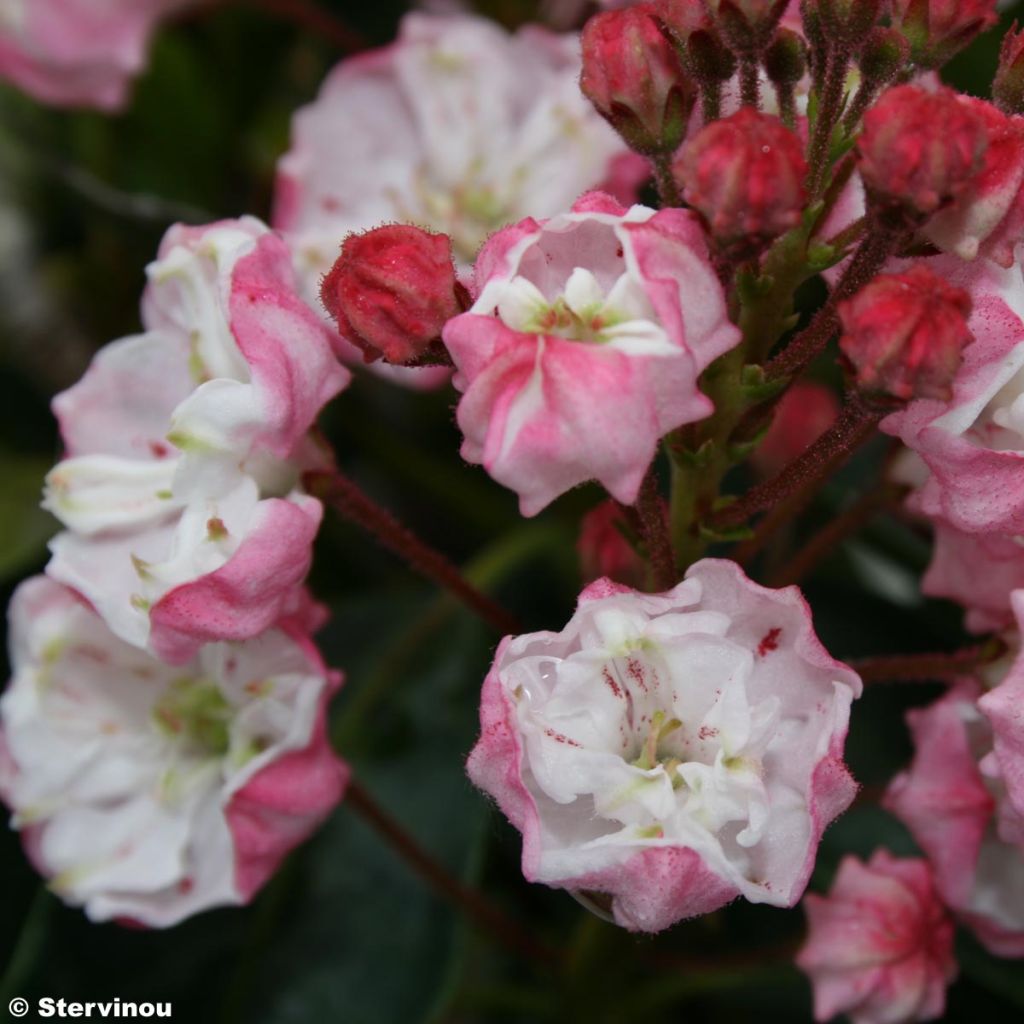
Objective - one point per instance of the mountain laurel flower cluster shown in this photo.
(732, 291)
(583, 347)
(674, 751)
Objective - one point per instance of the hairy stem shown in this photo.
(654, 528)
(488, 918)
(830, 106)
(750, 84)
(342, 494)
(929, 668)
(668, 191)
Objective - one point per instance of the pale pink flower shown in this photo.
(184, 448)
(955, 803)
(149, 793)
(673, 750)
(584, 346)
(880, 945)
(458, 127)
(78, 52)
(973, 443)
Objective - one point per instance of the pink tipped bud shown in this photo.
(1008, 87)
(747, 25)
(803, 414)
(635, 78)
(904, 334)
(938, 29)
(604, 549)
(745, 174)
(920, 149)
(391, 291)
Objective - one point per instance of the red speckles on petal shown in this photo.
(560, 738)
(769, 642)
(159, 450)
(612, 685)
(707, 732)
(635, 670)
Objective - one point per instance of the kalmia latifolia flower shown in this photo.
(920, 148)
(185, 445)
(880, 944)
(973, 442)
(938, 29)
(904, 334)
(584, 345)
(147, 793)
(955, 800)
(391, 291)
(673, 751)
(635, 79)
(745, 174)
(457, 127)
(78, 52)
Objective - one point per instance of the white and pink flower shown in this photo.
(674, 751)
(149, 793)
(78, 52)
(584, 346)
(184, 448)
(880, 944)
(973, 443)
(955, 801)
(458, 127)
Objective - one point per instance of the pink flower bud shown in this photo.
(805, 412)
(1008, 86)
(745, 174)
(880, 945)
(938, 29)
(903, 334)
(920, 149)
(634, 77)
(604, 550)
(391, 290)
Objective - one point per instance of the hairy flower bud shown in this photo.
(391, 290)
(886, 52)
(1008, 86)
(785, 61)
(635, 78)
(842, 21)
(904, 334)
(747, 25)
(938, 29)
(745, 174)
(920, 149)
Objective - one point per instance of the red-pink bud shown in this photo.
(920, 148)
(1008, 86)
(604, 550)
(904, 334)
(747, 25)
(391, 291)
(803, 414)
(745, 174)
(635, 78)
(938, 29)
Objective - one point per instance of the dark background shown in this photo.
(345, 932)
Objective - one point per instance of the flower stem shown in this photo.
(929, 668)
(830, 105)
(342, 494)
(844, 526)
(668, 191)
(750, 85)
(654, 528)
(488, 918)
(796, 484)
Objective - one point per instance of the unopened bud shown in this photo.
(709, 60)
(802, 415)
(845, 22)
(920, 149)
(785, 61)
(634, 77)
(904, 334)
(392, 290)
(747, 25)
(605, 550)
(1008, 87)
(939, 29)
(745, 174)
(885, 54)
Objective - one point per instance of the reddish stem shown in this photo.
(484, 915)
(803, 475)
(929, 668)
(652, 516)
(342, 494)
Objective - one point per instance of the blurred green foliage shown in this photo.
(346, 933)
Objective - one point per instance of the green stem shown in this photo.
(668, 191)
(29, 947)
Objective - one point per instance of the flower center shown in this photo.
(652, 753)
(195, 712)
